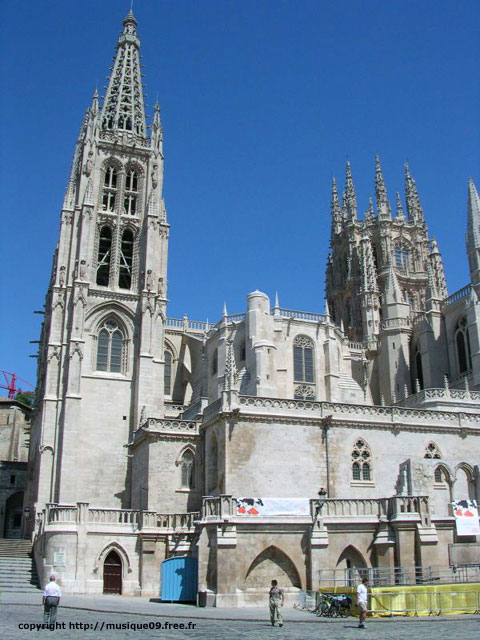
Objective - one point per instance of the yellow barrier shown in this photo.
(422, 600)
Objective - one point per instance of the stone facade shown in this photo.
(147, 428)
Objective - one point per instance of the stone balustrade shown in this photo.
(458, 295)
(224, 508)
(56, 515)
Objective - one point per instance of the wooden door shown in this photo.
(112, 573)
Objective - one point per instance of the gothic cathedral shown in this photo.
(155, 437)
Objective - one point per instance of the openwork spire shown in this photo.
(414, 207)
(381, 191)
(123, 109)
(350, 197)
(335, 209)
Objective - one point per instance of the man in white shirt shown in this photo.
(362, 602)
(51, 600)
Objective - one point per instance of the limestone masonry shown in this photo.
(147, 429)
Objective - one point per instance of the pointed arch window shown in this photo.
(432, 451)
(361, 461)
(109, 189)
(439, 476)
(303, 368)
(126, 260)
(104, 256)
(131, 193)
(167, 375)
(402, 257)
(110, 348)
(462, 342)
(419, 367)
(187, 468)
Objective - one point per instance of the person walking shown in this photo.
(362, 602)
(276, 600)
(51, 599)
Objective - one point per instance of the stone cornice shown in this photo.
(161, 429)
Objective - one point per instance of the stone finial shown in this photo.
(381, 192)
(399, 212)
(230, 377)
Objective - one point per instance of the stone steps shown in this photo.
(18, 572)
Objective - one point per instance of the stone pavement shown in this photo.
(98, 617)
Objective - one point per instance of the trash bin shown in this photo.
(202, 599)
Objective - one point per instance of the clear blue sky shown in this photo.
(262, 102)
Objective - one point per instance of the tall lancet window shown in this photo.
(110, 348)
(104, 256)
(462, 341)
(131, 193)
(167, 376)
(303, 368)
(126, 260)
(109, 190)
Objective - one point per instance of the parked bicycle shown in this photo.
(334, 606)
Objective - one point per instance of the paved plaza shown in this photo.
(100, 617)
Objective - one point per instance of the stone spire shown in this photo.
(369, 213)
(438, 271)
(414, 207)
(381, 192)
(336, 211)
(399, 213)
(473, 232)
(123, 108)
(157, 131)
(392, 292)
(350, 197)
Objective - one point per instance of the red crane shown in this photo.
(11, 384)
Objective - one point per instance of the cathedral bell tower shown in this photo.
(101, 350)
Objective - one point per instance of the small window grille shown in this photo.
(439, 477)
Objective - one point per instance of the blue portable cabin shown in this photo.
(179, 579)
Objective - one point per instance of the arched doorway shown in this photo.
(112, 573)
(353, 564)
(13, 516)
(272, 564)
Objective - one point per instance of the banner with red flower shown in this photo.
(466, 517)
(273, 507)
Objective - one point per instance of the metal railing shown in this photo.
(397, 576)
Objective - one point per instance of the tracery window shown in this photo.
(167, 375)
(104, 256)
(110, 347)
(402, 257)
(187, 467)
(361, 461)
(126, 260)
(131, 193)
(432, 451)
(462, 341)
(303, 369)
(109, 189)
